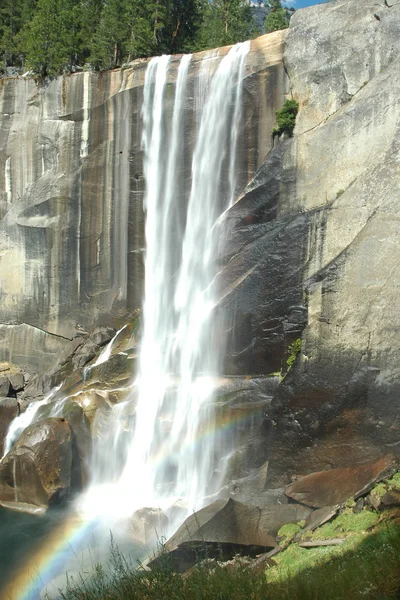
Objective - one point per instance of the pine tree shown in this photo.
(277, 18)
(52, 36)
(13, 15)
(225, 22)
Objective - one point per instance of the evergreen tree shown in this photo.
(52, 36)
(184, 22)
(225, 22)
(277, 18)
(127, 29)
(13, 15)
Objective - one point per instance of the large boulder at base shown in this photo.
(335, 486)
(237, 523)
(38, 468)
(225, 528)
(81, 438)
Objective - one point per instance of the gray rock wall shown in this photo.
(71, 189)
(314, 247)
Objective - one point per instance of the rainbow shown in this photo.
(49, 560)
(69, 537)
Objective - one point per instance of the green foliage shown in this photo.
(286, 118)
(277, 18)
(225, 22)
(56, 36)
(293, 351)
(339, 193)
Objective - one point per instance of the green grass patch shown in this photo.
(345, 524)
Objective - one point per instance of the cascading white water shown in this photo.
(172, 453)
(20, 423)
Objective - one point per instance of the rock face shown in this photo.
(71, 191)
(38, 469)
(313, 248)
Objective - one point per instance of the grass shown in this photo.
(366, 566)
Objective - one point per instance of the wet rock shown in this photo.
(335, 486)
(91, 401)
(116, 372)
(73, 413)
(38, 469)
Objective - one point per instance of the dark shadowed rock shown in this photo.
(335, 486)
(225, 528)
(85, 354)
(38, 469)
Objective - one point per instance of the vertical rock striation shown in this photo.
(71, 191)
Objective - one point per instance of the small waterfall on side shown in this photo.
(172, 454)
(20, 423)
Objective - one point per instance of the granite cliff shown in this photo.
(312, 249)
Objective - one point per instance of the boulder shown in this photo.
(73, 413)
(90, 402)
(38, 469)
(225, 528)
(17, 381)
(233, 522)
(335, 486)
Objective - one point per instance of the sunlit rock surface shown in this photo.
(71, 191)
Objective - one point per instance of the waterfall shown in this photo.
(22, 421)
(173, 454)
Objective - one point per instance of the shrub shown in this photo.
(286, 118)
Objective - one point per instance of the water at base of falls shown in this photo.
(173, 454)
